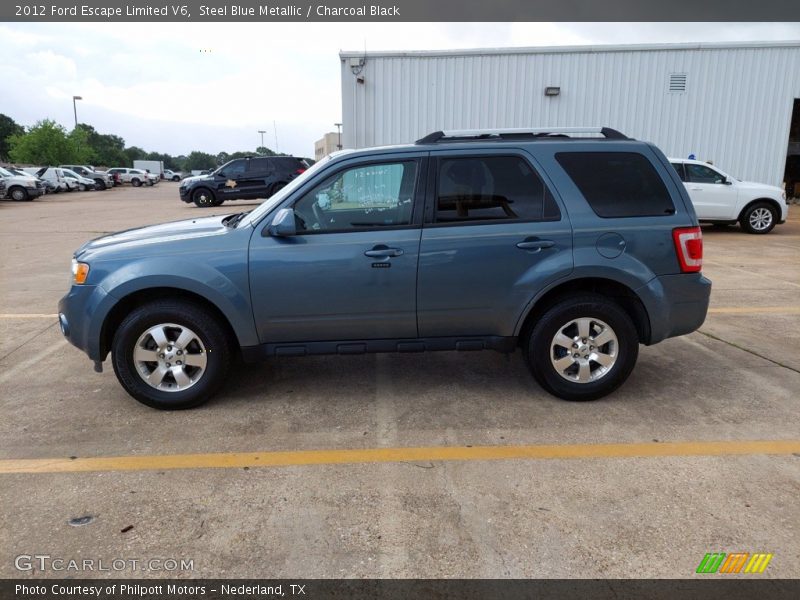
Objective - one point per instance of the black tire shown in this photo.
(18, 193)
(759, 218)
(99, 184)
(136, 182)
(184, 314)
(277, 189)
(205, 198)
(538, 348)
(176, 178)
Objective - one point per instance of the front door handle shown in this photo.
(535, 244)
(382, 251)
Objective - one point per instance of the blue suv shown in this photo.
(574, 245)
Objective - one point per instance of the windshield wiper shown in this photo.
(233, 220)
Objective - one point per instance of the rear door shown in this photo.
(494, 236)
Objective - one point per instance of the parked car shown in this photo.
(152, 178)
(170, 175)
(101, 180)
(18, 187)
(135, 177)
(18, 171)
(242, 178)
(722, 199)
(84, 183)
(55, 177)
(575, 250)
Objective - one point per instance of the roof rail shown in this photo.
(495, 134)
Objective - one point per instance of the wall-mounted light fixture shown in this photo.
(552, 91)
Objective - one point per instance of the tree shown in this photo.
(264, 151)
(200, 161)
(134, 153)
(107, 150)
(48, 143)
(223, 157)
(8, 127)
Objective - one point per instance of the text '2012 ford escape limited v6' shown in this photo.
(576, 249)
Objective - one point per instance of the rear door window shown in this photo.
(491, 188)
(702, 174)
(618, 184)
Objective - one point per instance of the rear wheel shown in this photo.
(582, 348)
(176, 178)
(171, 355)
(135, 182)
(759, 217)
(205, 198)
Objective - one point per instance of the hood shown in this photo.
(193, 178)
(147, 237)
(752, 185)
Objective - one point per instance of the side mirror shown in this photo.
(727, 182)
(283, 224)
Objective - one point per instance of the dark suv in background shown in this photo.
(242, 179)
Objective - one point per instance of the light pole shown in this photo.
(262, 132)
(339, 131)
(75, 109)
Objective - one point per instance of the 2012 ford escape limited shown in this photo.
(574, 245)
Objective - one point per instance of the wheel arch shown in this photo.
(619, 292)
(771, 201)
(127, 303)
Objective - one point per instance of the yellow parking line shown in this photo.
(231, 460)
(735, 310)
(28, 316)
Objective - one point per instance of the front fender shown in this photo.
(219, 279)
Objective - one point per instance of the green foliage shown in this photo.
(8, 127)
(107, 150)
(48, 143)
(200, 161)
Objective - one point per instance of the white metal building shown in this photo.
(730, 103)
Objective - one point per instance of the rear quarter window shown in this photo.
(618, 184)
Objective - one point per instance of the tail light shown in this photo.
(300, 171)
(689, 248)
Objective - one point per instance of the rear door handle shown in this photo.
(382, 251)
(535, 244)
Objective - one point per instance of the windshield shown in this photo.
(279, 196)
(5, 173)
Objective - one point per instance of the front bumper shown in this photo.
(185, 194)
(81, 314)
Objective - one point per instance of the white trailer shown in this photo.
(155, 167)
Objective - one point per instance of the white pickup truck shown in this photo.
(724, 200)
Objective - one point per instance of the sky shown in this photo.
(179, 87)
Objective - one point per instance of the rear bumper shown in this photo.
(675, 304)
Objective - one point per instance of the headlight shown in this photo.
(80, 271)
(30, 184)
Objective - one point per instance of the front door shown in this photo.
(229, 180)
(350, 272)
(712, 195)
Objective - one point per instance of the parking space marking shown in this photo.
(235, 460)
(28, 316)
(735, 310)
(14, 370)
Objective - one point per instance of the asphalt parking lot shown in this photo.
(419, 465)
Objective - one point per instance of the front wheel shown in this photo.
(171, 355)
(759, 218)
(582, 348)
(176, 178)
(18, 193)
(136, 182)
(99, 184)
(204, 198)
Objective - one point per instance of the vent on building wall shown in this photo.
(677, 82)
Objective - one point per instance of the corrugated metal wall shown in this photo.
(736, 109)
